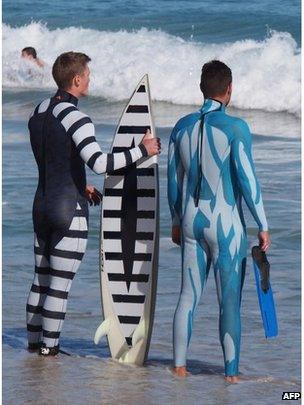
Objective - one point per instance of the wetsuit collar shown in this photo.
(211, 105)
(63, 95)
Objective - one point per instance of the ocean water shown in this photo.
(170, 41)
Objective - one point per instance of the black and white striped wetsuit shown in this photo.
(62, 140)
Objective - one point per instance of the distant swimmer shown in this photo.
(63, 142)
(210, 170)
(30, 54)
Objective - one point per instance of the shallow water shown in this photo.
(261, 42)
(89, 375)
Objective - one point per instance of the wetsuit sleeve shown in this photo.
(81, 129)
(175, 172)
(245, 172)
(99, 162)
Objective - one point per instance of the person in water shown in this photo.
(30, 54)
(210, 170)
(63, 141)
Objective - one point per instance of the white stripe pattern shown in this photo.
(90, 152)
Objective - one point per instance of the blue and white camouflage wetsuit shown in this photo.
(210, 169)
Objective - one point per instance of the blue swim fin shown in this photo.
(261, 271)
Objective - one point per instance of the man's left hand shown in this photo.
(93, 195)
(176, 235)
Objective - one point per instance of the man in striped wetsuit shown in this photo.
(210, 169)
(63, 141)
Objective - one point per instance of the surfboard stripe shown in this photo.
(129, 319)
(145, 172)
(133, 129)
(139, 278)
(139, 299)
(120, 214)
(138, 109)
(141, 89)
(142, 257)
(146, 214)
(129, 340)
(118, 192)
(139, 171)
(139, 235)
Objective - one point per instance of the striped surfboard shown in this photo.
(130, 238)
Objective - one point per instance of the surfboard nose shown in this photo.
(144, 80)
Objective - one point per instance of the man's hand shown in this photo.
(176, 235)
(151, 144)
(93, 195)
(264, 240)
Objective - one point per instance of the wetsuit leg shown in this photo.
(65, 257)
(38, 291)
(229, 272)
(195, 269)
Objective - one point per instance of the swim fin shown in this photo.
(262, 278)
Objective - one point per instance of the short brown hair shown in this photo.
(29, 50)
(215, 78)
(67, 66)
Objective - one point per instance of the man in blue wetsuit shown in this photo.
(63, 141)
(210, 170)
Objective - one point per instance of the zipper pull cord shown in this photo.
(199, 161)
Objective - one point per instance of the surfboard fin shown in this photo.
(139, 332)
(266, 301)
(102, 330)
(125, 357)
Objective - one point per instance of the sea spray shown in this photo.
(266, 74)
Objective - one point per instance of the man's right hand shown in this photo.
(151, 144)
(264, 240)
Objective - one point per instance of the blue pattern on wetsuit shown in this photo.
(214, 229)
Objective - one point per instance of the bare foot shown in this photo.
(232, 379)
(180, 371)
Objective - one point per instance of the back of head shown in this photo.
(67, 66)
(29, 50)
(215, 79)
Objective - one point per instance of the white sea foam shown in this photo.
(266, 73)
